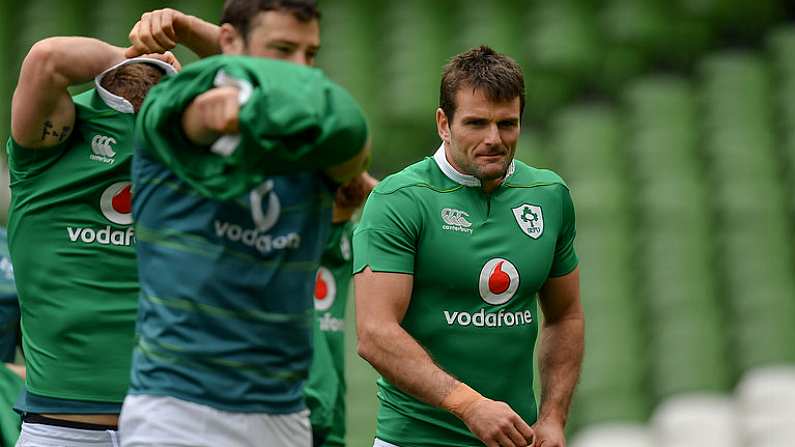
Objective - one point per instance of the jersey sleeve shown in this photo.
(292, 119)
(25, 162)
(387, 234)
(565, 256)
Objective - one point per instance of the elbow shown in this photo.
(41, 60)
(366, 344)
(364, 347)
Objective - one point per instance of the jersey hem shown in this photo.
(295, 408)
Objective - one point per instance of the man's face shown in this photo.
(481, 139)
(279, 35)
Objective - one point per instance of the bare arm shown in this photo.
(16, 369)
(381, 303)
(350, 197)
(560, 353)
(161, 30)
(42, 111)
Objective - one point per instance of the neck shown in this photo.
(490, 185)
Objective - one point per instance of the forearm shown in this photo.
(403, 362)
(201, 37)
(560, 359)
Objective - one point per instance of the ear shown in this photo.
(442, 126)
(230, 40)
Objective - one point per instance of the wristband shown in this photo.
(460, 399)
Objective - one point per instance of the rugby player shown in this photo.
(326, 388)
(244, 155)
(70, 236)
(449, 256)
(285, 30)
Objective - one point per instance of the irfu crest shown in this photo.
(530, 219)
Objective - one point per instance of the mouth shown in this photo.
(491, 156)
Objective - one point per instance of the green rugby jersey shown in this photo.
(10, 387)
(478, 261)
(326, 388)
(72, 247)
(9, 305)
(228, 251)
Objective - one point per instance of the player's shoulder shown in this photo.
(526, 176)
(90, 104)
(422, 176)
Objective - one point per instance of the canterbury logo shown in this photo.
(101, 146)
(456, 218)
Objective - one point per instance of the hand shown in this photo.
(212, 114)
(157, 32)
(549, 434)
(497, 425)
(167, 57)
(355, 192)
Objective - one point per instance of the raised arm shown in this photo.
(560, 354)
(381, 303)
(42, 111)
(163, 29)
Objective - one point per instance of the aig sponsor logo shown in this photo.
(497, 285)
(115, 204)
(456, 220)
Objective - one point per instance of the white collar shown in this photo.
(116, 102)
(453, 174)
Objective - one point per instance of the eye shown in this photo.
(475, 122)
(510, 124)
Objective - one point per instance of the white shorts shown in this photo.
(41, 435)
(380, 443)
(155, 421)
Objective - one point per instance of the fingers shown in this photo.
(525, 430)
(162, 29)
(167, 57)
(153, 33)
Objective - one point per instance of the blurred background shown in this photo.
(673, 122)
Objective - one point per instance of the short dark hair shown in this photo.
(498, 76)
(240, 13)
(132, 82)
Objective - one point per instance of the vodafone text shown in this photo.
(104, 236)
(482, 318)
(252, 237)
(328, 323)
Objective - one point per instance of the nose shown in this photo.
(492, 137)
(299, 58)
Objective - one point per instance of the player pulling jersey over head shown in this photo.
(229, 240)
(449, 257)
(70, 232)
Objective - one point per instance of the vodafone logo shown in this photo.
(499, 281)
(116, 203)
(325, 289)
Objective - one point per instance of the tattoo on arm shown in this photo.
(64, 133)
(47, 130)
